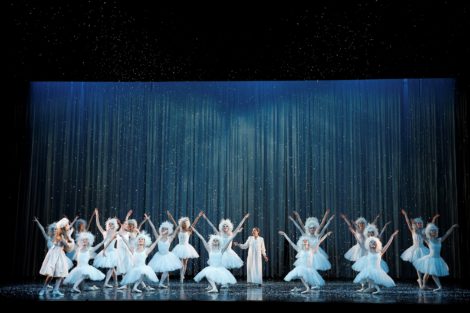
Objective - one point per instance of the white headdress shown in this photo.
(227, 222)
(418, 220)
(62, 223)
(166, 225)
(112, 221)
(300, 242)
(51, 228)
(185, 220)
(86, 235)
(132, 222)
(213, 238)
(143, 234)
(378, 244)
(429, 228)
(361, 220)
(311, 222)
(371, 228)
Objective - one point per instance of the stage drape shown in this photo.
(266, 148)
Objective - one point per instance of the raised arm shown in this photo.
(210, 223)
(91, 220)
(239, 227)
(154, 244)
(98, 222)
(299, 220)
(326, 226)
(449, 232)
(93, 249)
(376, 219)
(230, 239)
(171, 218)
(289, 241)
(175, 233)
(74, 220)
(41, 228)
(206, 245)
(351, 229)
(383, 229)
(154, 230)
(197, 219)
(385, 248)
(146, 218)
(407, 220)
(321, 240)
(434, 218)
(323, 220)
(302, 231)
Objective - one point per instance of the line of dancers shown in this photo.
(125, 249)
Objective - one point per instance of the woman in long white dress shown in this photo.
(256, 250)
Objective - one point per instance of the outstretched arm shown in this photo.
(146, 218)
(93, 249)
(384, 249)
(297, 225)
(197, 219)
(326, 226)
(383, 229)
(74, 220)
(154, 244)
(434, 218)
(243, 245)
(449, 232)
(299, 220)
(376, 219)
(321, 240)
(230, 239)
(288, 240)
(91, 220)
(171, 218)
(175, 233)
(41, 228)
(239, 227)
(154, 230)
(206, 245)
(98, 222)
(351, 229)
(210, 223)
(323, 220)
(407, 220)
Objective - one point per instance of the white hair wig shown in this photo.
(300, 242)
(377, 241)
(361, 220)
(227, 222)
(311, 222)
(166, 225)
(62, 223)
(143, 234)
(51, 228)
(417, 220)
(86, 235)
(185, 220)
(132, 222)
(429, 228)
(213, 238)
(371, 228)
(112, 221)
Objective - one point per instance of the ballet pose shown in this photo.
(184, 250)
(216, 273)
(256, 250)
(433, 264)
(55, 262)
(358, 250)
(370, 231)
(164, 261)
(304, 269)
(140, 270)
(417, 250)
(83, 253)
(229, 258)
(372, 271)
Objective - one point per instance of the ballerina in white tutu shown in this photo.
(304, 267)
(184, 250)
(216, 273)
(372, 271)
(314, 231)
(229, 258)
(125, 245)
(164, 261)
(370, 231)
(140, 271)
(256, 250)
(108, 260)
(433, 264)
(55, 262)
(84, 251)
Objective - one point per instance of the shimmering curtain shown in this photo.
(267, 148)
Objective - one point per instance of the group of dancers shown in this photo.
(125, 249)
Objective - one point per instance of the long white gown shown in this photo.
(254, 268)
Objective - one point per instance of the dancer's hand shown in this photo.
(266, 258)
(281, 233)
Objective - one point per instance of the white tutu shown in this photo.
(55, 263)
(165, 262)
(432, 266)
(320, 263)
(413, 253)
(230, 259)
(140, 270)
(359, 264)
(355, 253)
(86, 272)
(322, 252)
(310, 275)
(124, 263)
(373, 271)
(219, 274)
(108, 261)
(69, 263)
(185, 251)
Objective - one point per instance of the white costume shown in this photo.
(256, 250)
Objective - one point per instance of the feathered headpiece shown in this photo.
(429, 228)
(185, 220)
(62, 223)
(361, 220)
(227, 222)
(371, 228)
(86, 235)
(311, 222)
(213, 238)
(143, 234)
(377, 241)
(112, 221)
(166, 225)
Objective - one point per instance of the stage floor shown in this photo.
(332, 292)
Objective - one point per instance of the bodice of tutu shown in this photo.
(306, 258)
(434, 248)
(215, 258)
(49, 243)
(360, 238)
(110, 247)
(83, 257)
(373, 259)
(163, 246)
(139, 258)
(417, 239)
(132, 240)
(183, 238)
(225, 238)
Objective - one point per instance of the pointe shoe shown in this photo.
(162, 286)
(419, 283)
(50, 287)
(123, 287)
(437, 289)
(108, 286)
(43, 291)
(94, 287)
(224, 286)
(306, 291)
(295, 289)
(213, 290)
(76, 290)
(57, 293)
(361, 290)
(136, 290)
(149, 288)
(368, 289)
(376, 292)
(208, 287)
(315, 287)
